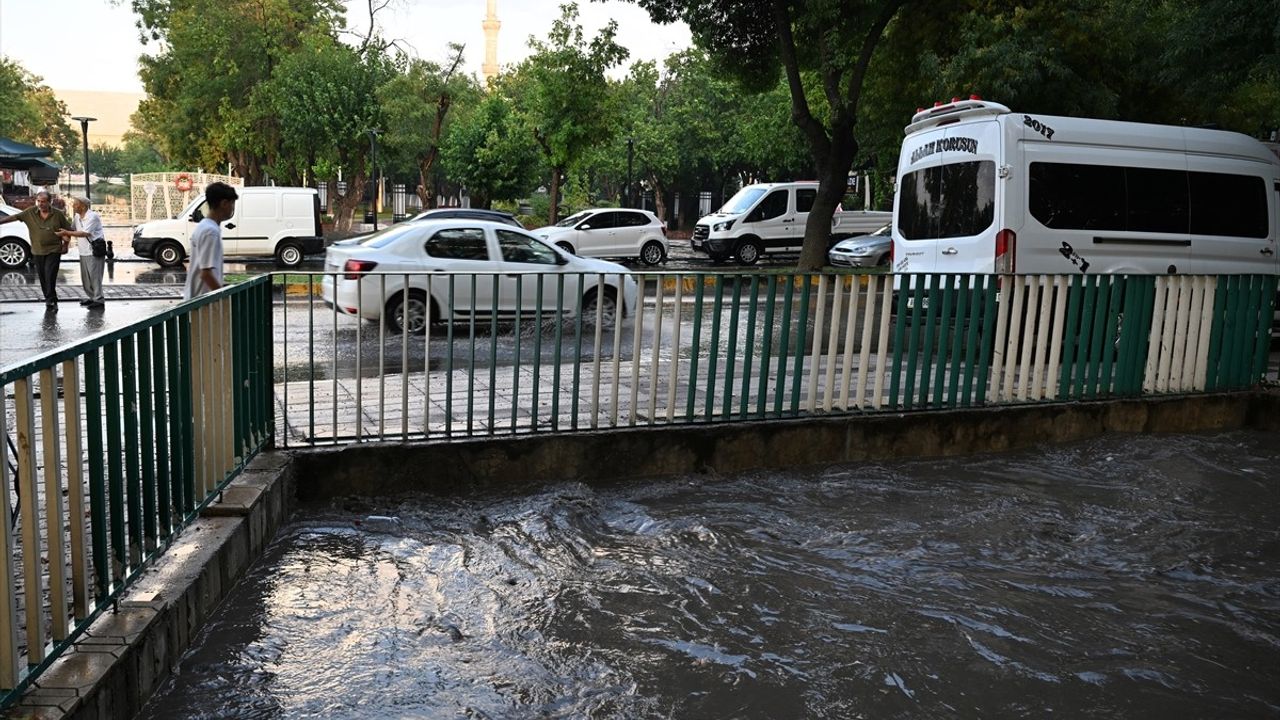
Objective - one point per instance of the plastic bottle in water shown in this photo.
(380, 524)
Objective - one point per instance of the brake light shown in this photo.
(354, 268)
(1006, 250)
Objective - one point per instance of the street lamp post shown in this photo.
(630, 153)
(84, 133)
(373, 160)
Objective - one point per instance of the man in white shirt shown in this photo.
(204, 270)
(88, 228)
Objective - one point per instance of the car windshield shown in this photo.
(573, 219)
(383, 238)
(743, 201)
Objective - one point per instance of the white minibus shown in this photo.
(981, 189)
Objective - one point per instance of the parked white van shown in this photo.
(280, 222)
(771, 217)
(982, 189)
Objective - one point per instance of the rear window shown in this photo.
(384, 238)
(952, 200)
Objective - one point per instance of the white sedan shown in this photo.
(15, 241)
(610, 232)
(412, 274)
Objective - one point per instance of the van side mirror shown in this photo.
(196, 215)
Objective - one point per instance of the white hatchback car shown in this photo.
(15, 240)
(412, 274)
(610, 232)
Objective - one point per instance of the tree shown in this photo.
(324, 99)
(755, 39)
(31, 114)
(564, 94)
(212, 56)
(416, 106)
(491, 153)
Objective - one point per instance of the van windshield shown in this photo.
(743, 201)
(953, 200)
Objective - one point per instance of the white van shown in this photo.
(770, 218)
(981, 189)
(279, 222)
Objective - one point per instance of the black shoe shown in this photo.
(51, 307)
(86, 302)
(95, 304)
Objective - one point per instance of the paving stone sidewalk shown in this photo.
(75, 293)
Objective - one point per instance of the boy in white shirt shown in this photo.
(204, 271)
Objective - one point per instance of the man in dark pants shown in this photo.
(43, 222)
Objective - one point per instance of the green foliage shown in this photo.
(31, 114)
(139, 155)
(419, 104)
(563, 93)
(491, 152)
(213, 55)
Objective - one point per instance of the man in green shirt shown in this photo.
(45, 223)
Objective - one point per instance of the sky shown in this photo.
(97, 44)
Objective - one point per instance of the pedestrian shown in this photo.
(93, 250)
(204, 271)
(44, 223)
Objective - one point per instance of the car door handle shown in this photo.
(788, 219)
(1267, 251)
(950, 251)
(231, 226)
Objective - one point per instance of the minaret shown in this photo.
(490, 67)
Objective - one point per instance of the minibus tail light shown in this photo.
(1006, 247)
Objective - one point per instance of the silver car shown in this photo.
(863, 250)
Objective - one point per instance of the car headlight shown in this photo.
(860, 250)
(727, 224)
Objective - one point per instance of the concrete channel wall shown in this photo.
(127, 654)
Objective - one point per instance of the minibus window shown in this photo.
(1067, 196)
(953, 200)
(1234, 205)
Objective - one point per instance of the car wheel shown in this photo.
(169, 254)
(884, 261)
(566, 247)
(651, 254)
(289, 255)
(412, 315)
(13, 252)
(748, 252)
(608, 310)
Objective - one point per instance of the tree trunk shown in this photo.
(554, 212)
(833, 171)
(342, 207)
(659, 201)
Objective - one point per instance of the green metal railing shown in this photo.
(138, 429)
(716, 347)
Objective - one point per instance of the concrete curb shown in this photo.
(126, 654)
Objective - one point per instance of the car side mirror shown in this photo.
(196, 215)
(561, 259)
(584, 226)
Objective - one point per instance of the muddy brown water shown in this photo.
(1126, 576)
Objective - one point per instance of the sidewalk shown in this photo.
(69, 293)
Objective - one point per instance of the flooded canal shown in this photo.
(1133, 576)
